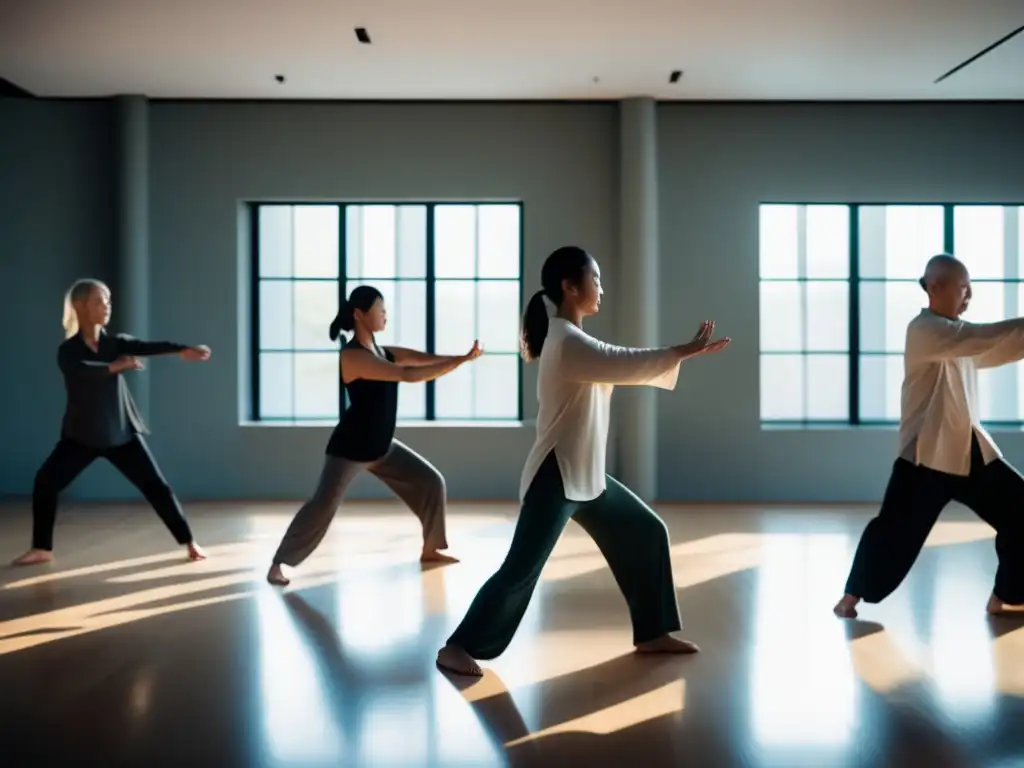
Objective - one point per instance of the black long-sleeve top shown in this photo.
(100, 411)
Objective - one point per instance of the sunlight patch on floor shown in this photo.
(880, 662)
(29, 631)
(666, 700)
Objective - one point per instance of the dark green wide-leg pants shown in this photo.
(630, 535)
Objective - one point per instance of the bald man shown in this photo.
(944, 453)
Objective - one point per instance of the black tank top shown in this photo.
(368, 424)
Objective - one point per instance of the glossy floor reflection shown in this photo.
(121, 654)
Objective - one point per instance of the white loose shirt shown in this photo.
(574, 389)
(939, 408)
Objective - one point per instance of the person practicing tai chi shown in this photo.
(944, 452)
(364, 438)
(101, 419)
(564, 476)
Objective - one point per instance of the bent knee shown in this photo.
(158, 489)
(43, 483)
(654, 531)
(435, 486)
(516, 578)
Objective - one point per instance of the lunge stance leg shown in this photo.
(135, 461)
(418, 483)
(891, 542)
(996, 494)
(498, 608)
(635, 542)
(66, 462)
(310, 524)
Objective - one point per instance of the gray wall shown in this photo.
(558, 159)
(716, 163)
(57, 187)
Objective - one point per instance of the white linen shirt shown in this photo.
(939, 406)
(574, 389)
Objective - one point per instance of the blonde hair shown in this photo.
(79, 291)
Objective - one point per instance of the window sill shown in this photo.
(445, 423)
(824, 426)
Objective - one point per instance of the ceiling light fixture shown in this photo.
(979, 54)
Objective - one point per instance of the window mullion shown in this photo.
(430, 319)
(854, 315)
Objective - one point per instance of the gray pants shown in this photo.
(413, 479)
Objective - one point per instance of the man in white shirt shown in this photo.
(944, 452)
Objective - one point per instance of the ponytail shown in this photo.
(565, 264)
(343, 321)
(363, 298)
(535, 327)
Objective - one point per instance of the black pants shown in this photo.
(629, 534)
(135, 462)
(913, 500)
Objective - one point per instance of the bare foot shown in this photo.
(454, 659)
(276, 577)
(847, 607)
(667, 644)
(34, 557)
(997, 607)
(433, 556)
(195, 553)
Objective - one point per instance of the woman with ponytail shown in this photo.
(101, 419)
(365, 437)
(564, 475)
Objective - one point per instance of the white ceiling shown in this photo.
(513, 49)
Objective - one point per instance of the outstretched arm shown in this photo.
(129, 345)
(990, 344)
(413, 357)
(585, 359)
(74, 364)
(363, 364)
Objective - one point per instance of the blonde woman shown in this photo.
(101, 419)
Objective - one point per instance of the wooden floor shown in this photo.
(121, 654)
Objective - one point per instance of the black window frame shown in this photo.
(854, 281)
(430, 417)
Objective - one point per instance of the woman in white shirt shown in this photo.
(564, 476)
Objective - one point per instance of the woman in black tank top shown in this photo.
(368, 424)
(365, 435)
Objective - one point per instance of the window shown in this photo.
(449, 274)
(839, 285)
(805, 337)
